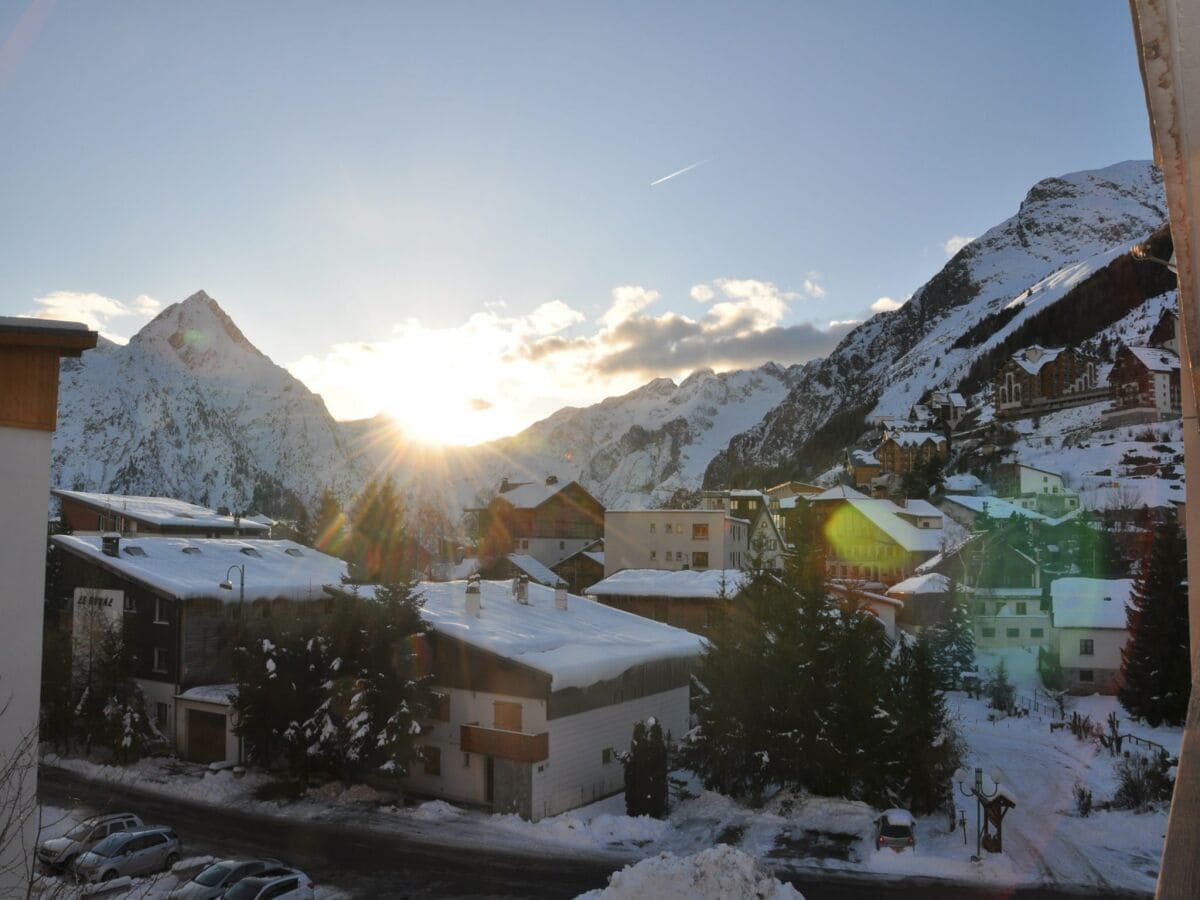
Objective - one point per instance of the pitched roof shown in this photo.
(190, 568)
(161, 511)
(913, 438)
(579, 646)
(886, 516)
(1048, 355)
(1155, 359)
(964, 481)
(997, 508)
(839, 492)
(1090, 602)
(534, 569)
(933, 583)
(533, 494)
(863, 458)
(921, 508)
(704, 584)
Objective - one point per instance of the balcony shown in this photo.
(515, 745)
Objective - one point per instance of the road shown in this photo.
(369, 864)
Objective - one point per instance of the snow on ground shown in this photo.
(714, 874)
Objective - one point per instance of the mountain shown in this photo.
(189, 408)
(1067, 231)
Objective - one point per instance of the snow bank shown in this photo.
(714, 874)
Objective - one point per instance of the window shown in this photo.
(699, 532)
(1022, 608)
(432, 758)
(282, 889)
(191, 551)
(293, 551)
(160, 716)
(524, 544)
(606, 756)
(1037, 632)
(160, 611)
(667, 528)
(1087, 675)
(134, 551)
(440, 707)
(1012, 632)
(466, 760)
(130, 604)
(506, 715)
(700, 560)
(250, 551)
(562, 545)
(1087, 647)
(678, 556)
(653, 555)
(160, 659)
(987, 632)
(653, 528)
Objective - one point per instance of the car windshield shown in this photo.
(81, 831)
(214, 874)
(246, 889)
(111, 845)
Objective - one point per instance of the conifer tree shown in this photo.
(924, 745)
(329, 529)
(1155, 665)
(953, 640)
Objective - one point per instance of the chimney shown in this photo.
(560, 595)
(516, 586)
(474, 599)
(110, 544)
(551, 479)
(523, 589)
(504, 484)
(222, 510)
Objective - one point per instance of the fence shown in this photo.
(1034, 705)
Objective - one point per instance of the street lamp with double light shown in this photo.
(975, 789)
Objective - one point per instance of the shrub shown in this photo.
(1083, 800)
(1142, 782)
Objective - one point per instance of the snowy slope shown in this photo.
(1065, 229)
(189, 408)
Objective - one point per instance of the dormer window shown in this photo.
(250, 551)
(293, 551)
(134, 550)
(191, 551)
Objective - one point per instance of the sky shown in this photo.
(468, 215)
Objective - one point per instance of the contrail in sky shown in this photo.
(680, 172)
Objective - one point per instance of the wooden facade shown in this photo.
(906, 452)
(29, 372)
(1040, 377)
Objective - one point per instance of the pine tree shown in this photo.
(1155, 665)
(635, 772)
(329, 529)
(657, 765)
(953, 641)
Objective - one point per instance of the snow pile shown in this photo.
(715, 874)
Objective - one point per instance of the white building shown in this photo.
(766, 536)
(674, 539)
(1090, 631)
(540, 696)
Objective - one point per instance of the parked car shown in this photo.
(61, 852)
(137, 852)
(273, 884)
(213, 881)
(897, 829)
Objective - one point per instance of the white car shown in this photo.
(213, 881)
(273, 884)
(61, 852)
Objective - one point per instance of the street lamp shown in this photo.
(227, 584)
(981, 796)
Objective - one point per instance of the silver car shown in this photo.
(273, 884)
(216, 879)
(137, 852)
(61, 852)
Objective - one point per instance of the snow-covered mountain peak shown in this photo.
(201, 336)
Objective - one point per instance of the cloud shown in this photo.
(94, 310)
(479, 404)
(812, 287)
(627, 300)
(844, 324)
(956, 243)
(887, 304)
(701, 293)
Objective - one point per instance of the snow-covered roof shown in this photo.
(962, 482)
(161, 511)
(748, 492)
(534, 569)
(839, 492)
(1090, 602)
(189, 568)
(996, 508)
(956, 399)
(579, 646)
(922, 508)
(1130, 493)
(901, 818)
(684, 583)
(863, 458)
(261, 519)
(886, 516)
(220, 694)
(1043, 355)
(596, 556)
(913, 438)
(532, 495)
(1155, 359)
(933, 583)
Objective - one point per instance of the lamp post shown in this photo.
(227, 584)
(976, 790)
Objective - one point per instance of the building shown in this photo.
(907, 451)
(690, 599)
(971, 511)
(548, 520)
(863, 467)
(767, 545)
(30, 351)
(926, 600)
(948, 407)
(876, 540)
(583, 569)
(1090, 631)
(963, 483)
(1034, 489)
(786, 489)
(1145, 386)
(86, 512)
(1039, 379)
(540, 696)
(674, 539)
(166, 595)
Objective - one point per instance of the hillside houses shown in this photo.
(907, 451)
(1038, 379)
(1145, 386)
(548, 520)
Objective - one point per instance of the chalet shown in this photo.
(926, 600)
(540, 695)
(511, 565)
(548, 520)
(786, 489)
(1145, 386)
(963, 483)
(674, 539)
(863, 467)
(86, 512)
(686, 599)
(1090, 631)
(1039, 379)
(179, 602)
(767, 544)
(972, 511)
(948, 407)
(884, 608)
(876, 540)
(583, 569)
(1035, 489)
(906, 451)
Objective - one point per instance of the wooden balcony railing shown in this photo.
(514, 745)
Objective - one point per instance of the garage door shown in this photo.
(206, 736)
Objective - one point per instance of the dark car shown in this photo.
(213, 881)
(897, 829)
